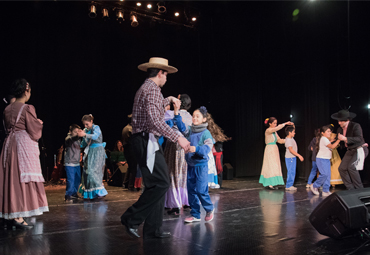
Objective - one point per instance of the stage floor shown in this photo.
(248, 220)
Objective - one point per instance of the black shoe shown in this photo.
(163, 235)
(175, 211)
(186, 207)
(21, 225)
(132, 232)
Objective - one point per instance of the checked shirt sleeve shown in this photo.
(156, 120)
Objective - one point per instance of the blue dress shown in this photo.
(94, 160)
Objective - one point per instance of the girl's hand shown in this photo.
(192, 149)
(289, 123)
(81, 133)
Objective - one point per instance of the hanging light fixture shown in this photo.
(105, 13)
(134, 22)
(161, 7)
(120, 16)
(92, 9)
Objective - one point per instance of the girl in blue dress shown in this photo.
(94, 160)
(201, 143)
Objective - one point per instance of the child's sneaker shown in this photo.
(191, 219)
(326, 194)
(209, 215)
(291, 188)
(314, 190)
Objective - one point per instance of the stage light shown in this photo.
(193, 19)
(92, 9)
(134, 22)
(177, 14)
(105, 13)
(291, 116)
(295, 12)
(120, 16)
(368, 106)
(138, 4)
(161, 7)
(149, 6)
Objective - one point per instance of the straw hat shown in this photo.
(343, 115)
(160, 63)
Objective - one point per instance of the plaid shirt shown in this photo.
(148, 112)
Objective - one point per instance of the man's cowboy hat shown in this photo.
(159, 63)
(343, 115)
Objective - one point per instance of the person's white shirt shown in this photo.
(324, 151)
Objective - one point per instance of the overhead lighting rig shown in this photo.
(136, 11)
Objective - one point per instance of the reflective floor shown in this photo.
(248, 220)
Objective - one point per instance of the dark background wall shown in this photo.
(245, 61)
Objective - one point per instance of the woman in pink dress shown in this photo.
(22, 192)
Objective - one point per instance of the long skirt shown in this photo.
(335, 163)
(92, 176)
(177, 194)
(19, 199)
(271, 168)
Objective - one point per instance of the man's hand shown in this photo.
(300, 158)
(184, 143)
(342, 137)
(175, 101)
(176, 109)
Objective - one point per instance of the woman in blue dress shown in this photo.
(94, 160)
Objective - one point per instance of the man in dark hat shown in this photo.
(351, 134)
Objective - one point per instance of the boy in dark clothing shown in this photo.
(72, 162)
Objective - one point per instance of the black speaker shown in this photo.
(228, 172)
(343, 213)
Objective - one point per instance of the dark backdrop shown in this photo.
(245, 61)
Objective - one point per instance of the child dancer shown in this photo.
(94, 159)
(219, 137)
(291, 155)
(324, 148)
(201, 143)
(72, 162)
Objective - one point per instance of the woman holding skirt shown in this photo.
(22, 192)
(271, 169)
(94, 160)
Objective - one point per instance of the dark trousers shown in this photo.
(350, 176)
(129, 179)
(150, 206)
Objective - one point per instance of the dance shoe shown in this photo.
(209, 216)
(291, 188)
(132, 232)
(326, 194)
(191, 219)
(21, 225)
(314, 190)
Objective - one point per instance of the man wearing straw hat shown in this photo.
(147, 125)
(351, 134)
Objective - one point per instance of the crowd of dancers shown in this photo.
(174, 177)
(326, 162)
